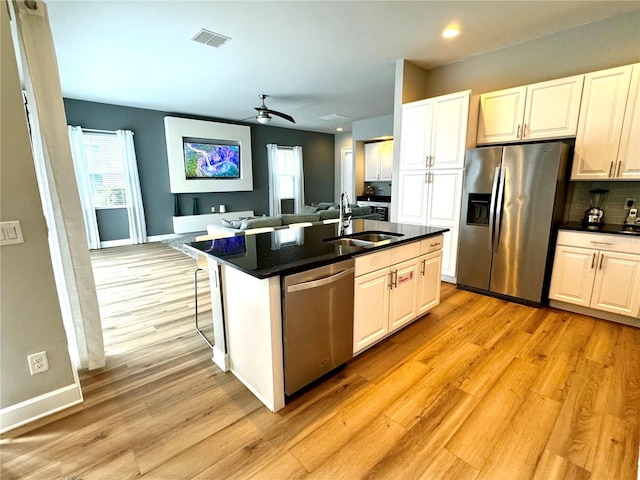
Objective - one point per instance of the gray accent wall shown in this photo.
(151, 153)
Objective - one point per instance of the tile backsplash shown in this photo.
(578, 200)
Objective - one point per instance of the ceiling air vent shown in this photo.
(333, 117)
(210, 38)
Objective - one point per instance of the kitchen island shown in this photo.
(248, 271)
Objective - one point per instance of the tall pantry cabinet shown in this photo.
(433, 141)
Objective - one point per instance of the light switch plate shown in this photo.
(10, 233)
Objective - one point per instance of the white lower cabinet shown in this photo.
(428, 291)
(371, 308)
(602, 272)
(394, 287)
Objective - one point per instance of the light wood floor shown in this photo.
(477, 389)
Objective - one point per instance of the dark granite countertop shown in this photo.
(606, 228)
(259, 256)
(374, 198)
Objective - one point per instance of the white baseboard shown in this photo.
(39, 407)
(116, 243)
(221, 359)
(592, 312)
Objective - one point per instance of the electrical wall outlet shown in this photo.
(626, 203)
(38, 362)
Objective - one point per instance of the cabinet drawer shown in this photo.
(373, 261)
(599, 241)
(405, 252)
(431, 244)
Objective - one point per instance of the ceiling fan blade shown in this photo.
(281, 115)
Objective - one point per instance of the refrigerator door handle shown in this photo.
(499, 202)
(492, 206)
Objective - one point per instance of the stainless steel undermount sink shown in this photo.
(364, 239)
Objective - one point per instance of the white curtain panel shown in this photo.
(274, 173)
(298, 192)
(59, 191)
(135, 209)
(84, 186)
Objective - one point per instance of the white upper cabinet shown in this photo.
(449, 130)
(378, 161)
(415, 139)
(501, 115)
(609, 108)
(534, 112)
(434, 132)
(629, 154)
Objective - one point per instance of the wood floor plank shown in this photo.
(455, 379)
(473, 441)
(552, 466)
(342, 464)
(447, 409)
(517, 451)
(576, 433)
(350, 419)
(616, 449)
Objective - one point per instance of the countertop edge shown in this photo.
(296, 267)
(610, 229)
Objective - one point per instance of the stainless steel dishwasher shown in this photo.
(318, 323)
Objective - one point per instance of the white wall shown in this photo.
(342, 140)
(611, 42)
(30, 316)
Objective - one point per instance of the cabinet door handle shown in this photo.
(518, 134)
(524, 130)
(610, 168)
(434, 244)
(426, 177)
(393, 279)
(593, 260)
(423, 268)
(618, 171)
(601, 243)
(601, 258)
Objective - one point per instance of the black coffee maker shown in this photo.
(594, 215)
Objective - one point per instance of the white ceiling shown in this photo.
(313, 58)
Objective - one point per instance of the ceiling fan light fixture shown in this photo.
(263, 119)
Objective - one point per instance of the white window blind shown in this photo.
(106, 169)
(287, 173)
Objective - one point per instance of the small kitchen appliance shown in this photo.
(594, 215)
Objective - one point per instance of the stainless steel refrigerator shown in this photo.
(512, 200)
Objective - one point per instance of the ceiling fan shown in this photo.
(264, 113)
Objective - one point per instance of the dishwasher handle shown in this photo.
(321, 282)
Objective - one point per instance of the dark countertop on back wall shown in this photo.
(258, 256)
(374, 198)
(606, 228)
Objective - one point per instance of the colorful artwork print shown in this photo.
(210, 160)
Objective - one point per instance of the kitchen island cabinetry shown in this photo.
(253, 269)
(608, 136)
(393, 288)
(539, 111)
(597, 272)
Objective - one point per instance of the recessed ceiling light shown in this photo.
(339, 129)
(451, 31)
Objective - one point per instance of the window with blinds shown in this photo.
(106, 169)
